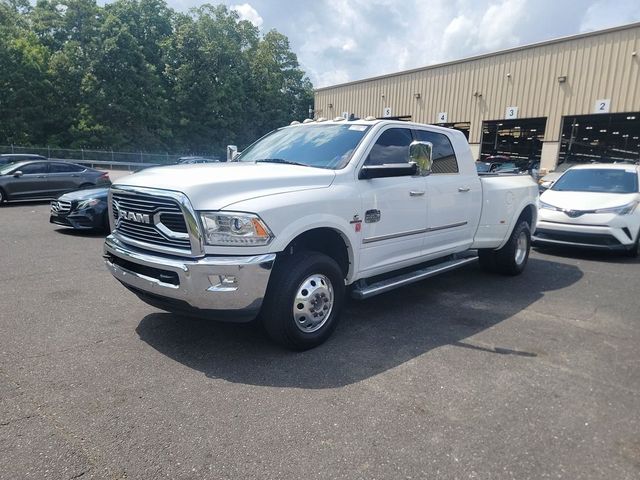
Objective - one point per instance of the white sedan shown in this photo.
(593, 206)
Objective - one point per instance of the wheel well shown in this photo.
(527, 216)
(323, 240)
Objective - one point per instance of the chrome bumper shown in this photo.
(226, 288)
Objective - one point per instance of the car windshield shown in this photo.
(482, 167)
(321, 146)
(602, 180)
(4, 169)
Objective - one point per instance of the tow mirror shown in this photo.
(232, 152)
(421, 153)
(17, 173)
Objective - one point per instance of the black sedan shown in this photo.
(46, 179)
(82, 210)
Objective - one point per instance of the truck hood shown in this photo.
(586, 200)
(217, 185)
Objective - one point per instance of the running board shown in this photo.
(362, 291)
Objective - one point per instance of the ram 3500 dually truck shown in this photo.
(309, 213)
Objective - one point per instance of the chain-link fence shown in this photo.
(107, 156)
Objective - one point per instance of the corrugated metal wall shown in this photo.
(599, 65)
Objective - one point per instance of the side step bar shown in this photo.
(362, 290)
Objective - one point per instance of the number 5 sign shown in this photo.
(511, 113)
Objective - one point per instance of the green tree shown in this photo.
(122, 96)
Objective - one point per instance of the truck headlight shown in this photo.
(622, 210)
(234, 229)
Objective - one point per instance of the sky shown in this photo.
(338, 41)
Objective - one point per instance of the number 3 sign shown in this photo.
(511, 113)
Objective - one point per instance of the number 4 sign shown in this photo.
(602, 105)
(442, 117)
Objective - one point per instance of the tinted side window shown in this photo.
(33, 168)
(65, 168)
(444, 158)
(391, 147)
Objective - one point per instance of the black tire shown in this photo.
(288, 279)
(510, 259)
(3, 196)
(635, 251)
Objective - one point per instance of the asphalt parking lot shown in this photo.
(463, 376)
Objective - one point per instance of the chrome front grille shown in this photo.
(155, 221)
(60, 207)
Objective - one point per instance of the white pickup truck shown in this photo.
(309, 213)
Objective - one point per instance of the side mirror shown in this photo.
(232, 152)
(421, 153)
(388, 170)
(17, 173)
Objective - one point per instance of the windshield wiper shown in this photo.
(280, 160)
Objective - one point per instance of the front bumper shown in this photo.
(559, 232)
(81, 220)
(224, 288)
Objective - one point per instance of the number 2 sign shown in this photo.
(602, 105)
(511, 113)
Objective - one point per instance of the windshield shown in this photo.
(602, 180)
(321, 146)
(482, 167)
(4, 169)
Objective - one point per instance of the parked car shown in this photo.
(296, 221)
(190, 160)
(7, 158)
(46, 179)
(82, 209)
(595, 206)
(496, 164)
(546, 181)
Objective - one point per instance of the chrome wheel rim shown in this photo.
(521, 248)
(313, 303)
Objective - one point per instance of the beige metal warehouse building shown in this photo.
(574, 99)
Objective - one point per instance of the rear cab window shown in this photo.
(444, 157)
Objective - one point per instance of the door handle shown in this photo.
(463, 189)
(415, 193)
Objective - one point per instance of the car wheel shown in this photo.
(3, 197)
(303, 301)
(634, 252)
(513, 256)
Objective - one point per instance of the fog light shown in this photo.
(223, 283)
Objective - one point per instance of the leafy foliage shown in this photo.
(136, 74)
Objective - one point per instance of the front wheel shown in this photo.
(303, 301)
(634, 252)
(512, 257)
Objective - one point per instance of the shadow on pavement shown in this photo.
(82, 233)
(592, 255)
(374, 335)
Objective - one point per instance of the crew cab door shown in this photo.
(394, 209)
(454, 197)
